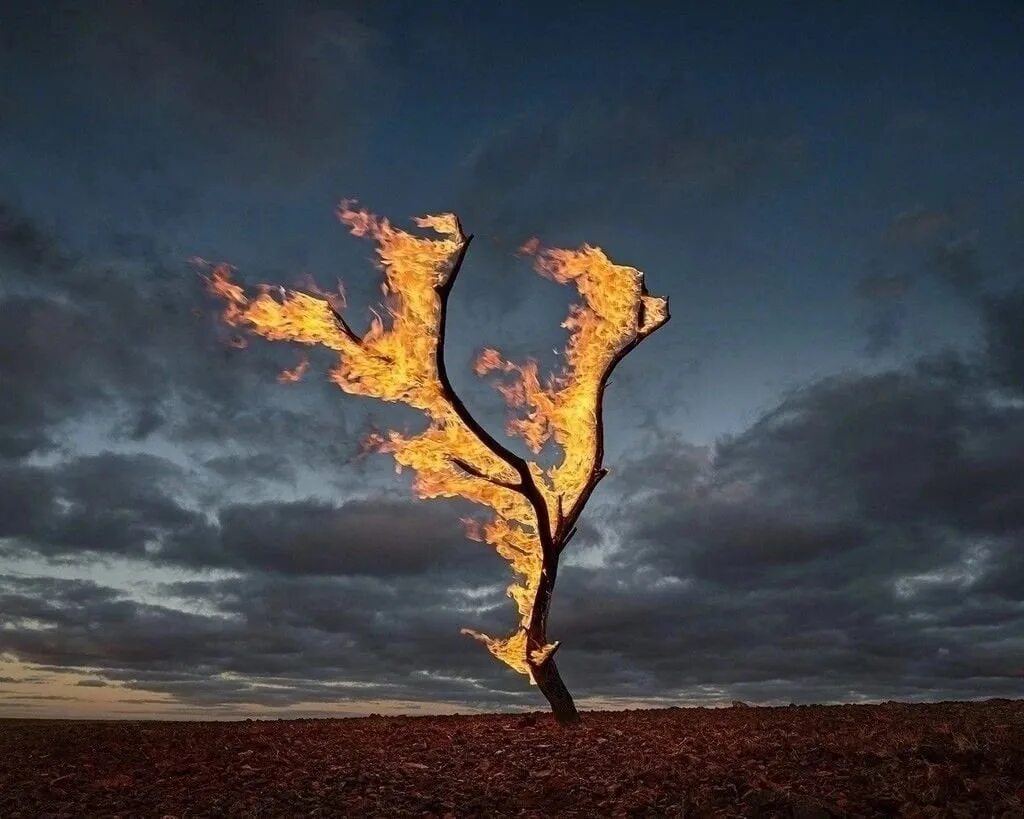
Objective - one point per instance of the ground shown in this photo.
(945, 759)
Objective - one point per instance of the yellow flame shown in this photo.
(615, 314)
(396, 359)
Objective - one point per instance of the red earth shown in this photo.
(944, 759)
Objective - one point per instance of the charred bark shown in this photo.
(545, 672)
(549, 681)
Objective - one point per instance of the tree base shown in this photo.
(549, 681)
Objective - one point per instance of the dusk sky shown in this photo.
(817, 467)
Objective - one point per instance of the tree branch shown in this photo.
(444, 291)
(343, 324)
(528, 487)
(598, 471)
(476, 473)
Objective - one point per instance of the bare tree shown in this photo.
(401, 357)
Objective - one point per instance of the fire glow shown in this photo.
(400, 358)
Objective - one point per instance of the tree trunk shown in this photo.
(545, 674)
(549, 681)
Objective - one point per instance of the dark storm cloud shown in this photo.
(281, 89)
(805, 487)
(800, 644)
(109, 326)
(617, 156)
(378, 536)
(381, 537)
(24, 245)
(138, 343)
(917, 245)
(956, 263)
(134, 506)
(861, 539)
(1004, 336)
(106, 504)
(864, 535)
(245, 467)
(884, 327)
(41, 391)
(297, 637)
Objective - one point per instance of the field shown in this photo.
(945, 759)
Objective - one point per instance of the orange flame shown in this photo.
(295, 373)
(400, 358)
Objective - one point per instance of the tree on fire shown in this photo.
(401, 358)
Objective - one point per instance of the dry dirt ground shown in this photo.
(946, 759)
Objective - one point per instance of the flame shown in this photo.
(295, 373)
(615, 315)
(399, 358)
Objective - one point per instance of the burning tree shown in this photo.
(401, 357)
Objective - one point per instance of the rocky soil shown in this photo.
(945, 759)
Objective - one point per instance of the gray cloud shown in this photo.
(300, 88)
(805, 485)
(863, 536)
(99, 505)
(956, 263)
(1004, 338)
(394, 640)
(267, 465)
(377, 536)
(41, 392)
(860, 539)
(134, 506)
(149, 357)
(917, 245)
(616, 157)
(884, 328)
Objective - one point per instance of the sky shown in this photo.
(816, 488)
